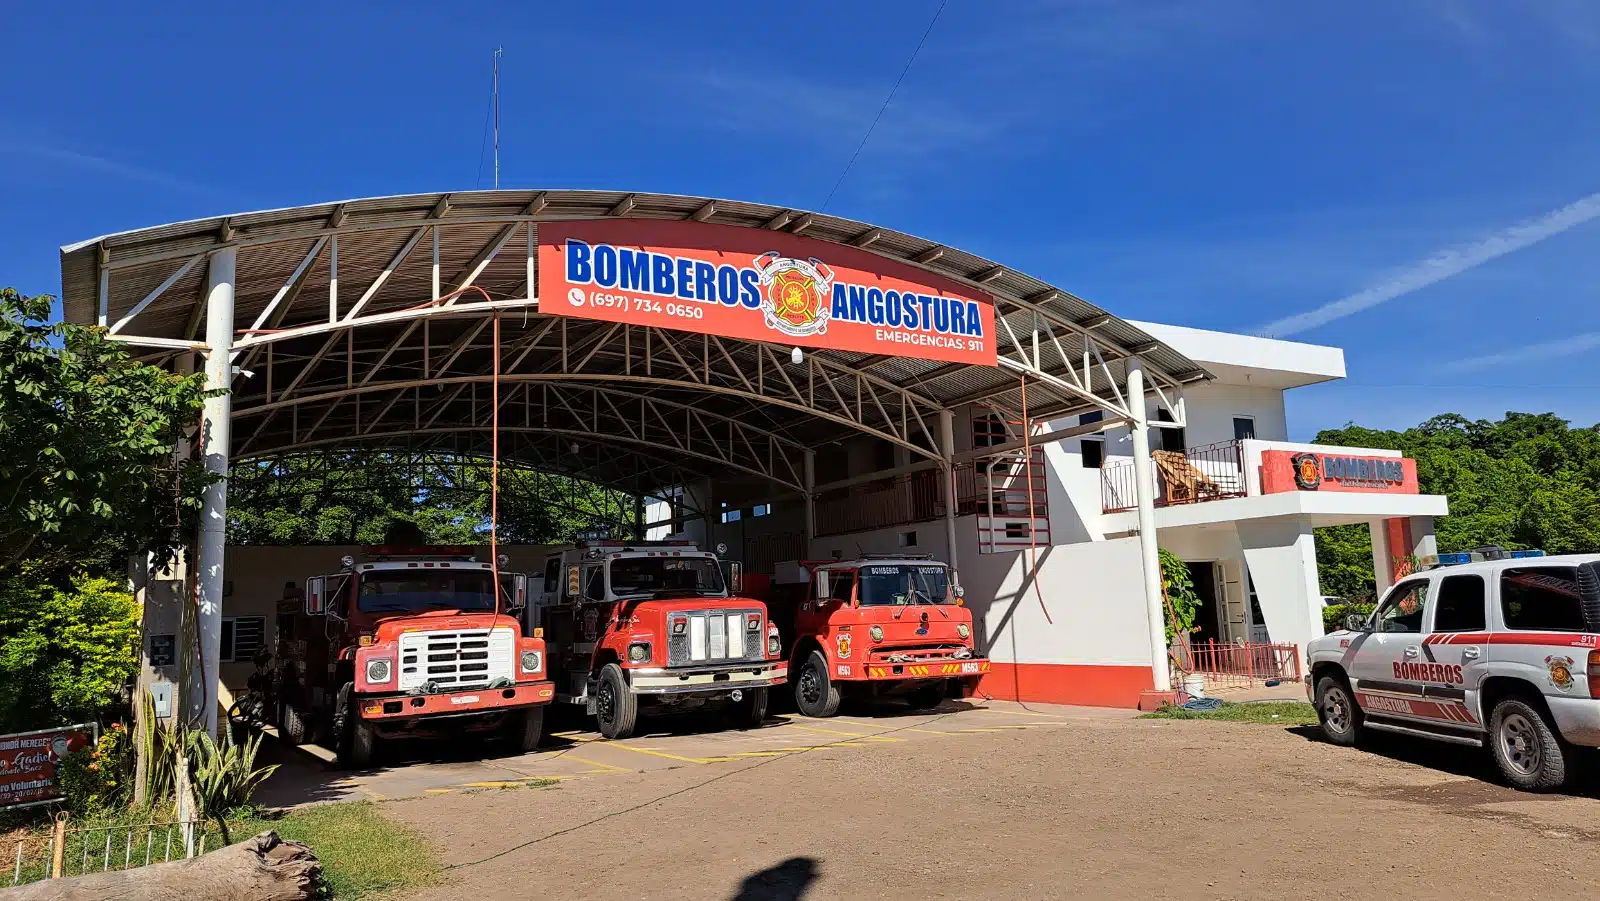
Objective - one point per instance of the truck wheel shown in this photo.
(1529, 753)
(750, 711)
(1336, 708)
(291, 725)
(525, 727)
(814, 693)
(616, 707)
(927, 697)
(355, 742)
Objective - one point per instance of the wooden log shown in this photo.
(260, 868)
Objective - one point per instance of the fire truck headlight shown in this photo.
(772, 646)
(639, 652)
(379, 671)
(532, 661)
(876, 632)
(963, 631)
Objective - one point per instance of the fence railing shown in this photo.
(1205, 473)
(98, 849)
(1226, 663)
(894, 501)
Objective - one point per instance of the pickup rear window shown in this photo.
(1541, 598)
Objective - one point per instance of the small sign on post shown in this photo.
(29, 762)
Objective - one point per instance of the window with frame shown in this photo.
(242, 637)
(1403, 609)
(1093, 449)
(594, 582)
(988, 430)
(840, 584)
(1244, 428)
(552, 575)
(1541, 598)
(1460, 607)
(1169, 439)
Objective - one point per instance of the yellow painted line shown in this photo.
(763, 754)
(601, 772)
(376, 796)
(657, 753)
(977, 730)
(438, 791)
(598, 763)
(1013, 712)
(839, 732)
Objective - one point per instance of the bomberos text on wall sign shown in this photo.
(1283, 470)
(761, 286)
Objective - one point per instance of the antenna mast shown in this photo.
(498, 51)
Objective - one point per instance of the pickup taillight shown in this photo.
(1594, 674)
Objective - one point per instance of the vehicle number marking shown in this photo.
(1389, 705)
(969, 668)
(465, 699)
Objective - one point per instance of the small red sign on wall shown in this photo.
(28, 762)
(1283, 470)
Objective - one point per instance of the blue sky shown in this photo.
(1223, 164)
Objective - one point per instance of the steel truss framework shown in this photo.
(369, 324)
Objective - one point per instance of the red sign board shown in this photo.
(28, 763)
(1283, 470)
(759, 285)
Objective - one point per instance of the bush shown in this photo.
(1178, 586)
(97, 778)
(65, 653)
(1333, 616)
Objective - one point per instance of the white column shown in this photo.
(1379, 530)
(811, 499)
(1282, 556)
(216, 438)
(947, 451)
(1144, 483)
(1423, 541)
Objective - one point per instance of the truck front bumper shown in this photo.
(762, 674)
(483, 700)
(931, 669)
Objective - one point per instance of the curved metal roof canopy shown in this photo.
(338, 320)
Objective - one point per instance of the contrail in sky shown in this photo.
(1561, 347)
(1441, 266)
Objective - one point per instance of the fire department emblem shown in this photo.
(843, 645)
(796, 295)
(591, 623)
(1560, 671)
(1307, 471)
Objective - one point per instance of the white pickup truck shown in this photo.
(1501, 652)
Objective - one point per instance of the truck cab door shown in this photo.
(1456, 643)
(1380, 658)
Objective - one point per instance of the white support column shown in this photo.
(1379, 530)
(947, 450)
(216, 434)
(811, 498)
(1281, 554)
(1144, 484)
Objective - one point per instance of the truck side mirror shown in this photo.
(574, 582)
(735, 577)
(519, 591)
(822, 586)
(961, 595)
(1356, 622)
(316, 595)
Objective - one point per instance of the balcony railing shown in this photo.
(1206, 473)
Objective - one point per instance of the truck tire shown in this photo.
(291, 725)
(814, 692)
(750, 711)
(1531, 756)
(1337, 710)
(616, 707)
(355, 742)
(525, 727)
(927, 697)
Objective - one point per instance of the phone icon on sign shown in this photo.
(575, 296)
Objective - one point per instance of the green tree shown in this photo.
(65, 652)
(86, 437)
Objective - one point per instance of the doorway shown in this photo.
(1207, 615)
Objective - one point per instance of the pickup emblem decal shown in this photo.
(1560, 671)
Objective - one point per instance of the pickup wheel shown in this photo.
(750, 711)
(524, 727)
(1528, 751)
(814, 693)
(616, 707)
(1337, 710)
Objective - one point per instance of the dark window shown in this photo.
(882, 456)
(242, 636)
(1094, 449)
(594, 579)
(1016, 530)
(1460, 606)
(840, 583)
(1171, 439)
(552, 574)
(1542, 598)
(987, 430)
(1244, 427)
(414, 590)
(1403, 608)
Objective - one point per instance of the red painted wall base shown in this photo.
(1065, 683)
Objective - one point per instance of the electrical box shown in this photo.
(161, 698)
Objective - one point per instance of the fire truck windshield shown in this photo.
(905, 583)
(416, 591)
(647, 576)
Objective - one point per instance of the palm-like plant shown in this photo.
(224, 775)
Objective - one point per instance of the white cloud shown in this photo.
(1441, 266)
(107, 166)
(1561, 347)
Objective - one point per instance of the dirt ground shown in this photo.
(1100, 806)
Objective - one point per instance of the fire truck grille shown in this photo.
(455, 660)
(715, 637)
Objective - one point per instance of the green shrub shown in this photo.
(1178, 586)
(1333, 616)
(225, 775)
(65, 654)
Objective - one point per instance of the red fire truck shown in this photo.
(654, 627)
(410, 641)
(890, 626)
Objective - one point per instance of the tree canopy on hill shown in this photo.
(1529, 480)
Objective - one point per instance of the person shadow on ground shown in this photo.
(788, 881)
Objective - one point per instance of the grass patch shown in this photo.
(362, 851)
(1277, 713)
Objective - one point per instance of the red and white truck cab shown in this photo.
(411, 641)
(654, 627)
(891, 626)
